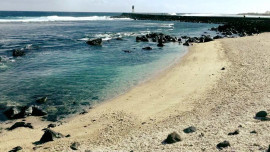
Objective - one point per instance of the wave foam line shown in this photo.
(60, 18)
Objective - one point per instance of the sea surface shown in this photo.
(73, 75)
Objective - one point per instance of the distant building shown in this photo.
(267, 12)
(133, 9)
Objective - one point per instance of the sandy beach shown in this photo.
(193, 92)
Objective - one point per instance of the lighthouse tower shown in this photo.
(133, 9)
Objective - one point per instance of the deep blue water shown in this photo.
(73, 75)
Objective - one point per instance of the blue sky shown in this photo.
(171, 6)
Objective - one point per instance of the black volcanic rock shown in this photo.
(223, 144)
(147, 48)
(261, 114)
(37, 111)
(16, 149)
(236, 132)
(17, 53)
(127, 51)
(21, 124)
(75, 146)
(190, 130)
(50, 135)
(42, 100)
(218, 37)
(173, 138)
(186, 43)
(13, 113)
(96, 42)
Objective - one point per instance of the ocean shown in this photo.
(73, 76)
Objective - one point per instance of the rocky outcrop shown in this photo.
(23, 112)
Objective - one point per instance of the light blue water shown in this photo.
(73, 75)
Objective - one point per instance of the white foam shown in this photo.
(60, 18)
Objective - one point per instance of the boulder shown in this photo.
(190, 130)
(147, 48)
(21, 124)
(13, 113)
(236, 132)
(261, 114)
(96, 42)
(37, 111)
(17, 53)
(186, 43)
(223, 144)
(75, 146)
(208, 38)
(42, 100)
(16, 149)
(50, 135)
(173, 138)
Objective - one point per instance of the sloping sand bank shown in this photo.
(194, 92)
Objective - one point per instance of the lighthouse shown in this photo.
(133, 9)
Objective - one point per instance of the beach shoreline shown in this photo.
(140, 118)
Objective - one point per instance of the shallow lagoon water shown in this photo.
(73, 75)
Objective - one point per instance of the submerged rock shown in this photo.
(127, 51)
(42, 100)
(50, 135)
(17, 53)
(147, 48)
(190, 130)
(223, 144)
(95, 41)
(119, 39)
(173, 138)
(21, 124)
(75, 146)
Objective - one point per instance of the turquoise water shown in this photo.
(73, 75)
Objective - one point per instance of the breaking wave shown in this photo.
(58, 18)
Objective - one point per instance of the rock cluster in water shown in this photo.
(23, 112)
(95, 42)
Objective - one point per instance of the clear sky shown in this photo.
(170, 6)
